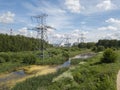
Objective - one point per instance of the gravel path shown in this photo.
(118, 81)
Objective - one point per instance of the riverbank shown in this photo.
(10, 79)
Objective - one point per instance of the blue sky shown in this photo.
(96, 19)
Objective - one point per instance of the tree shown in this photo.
(109, 56)
(100, 48)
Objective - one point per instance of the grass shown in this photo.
(9, 67)
(92, 75)
(39, 82)
(10, 61)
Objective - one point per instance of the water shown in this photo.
(12, 76)
(67, 63)
(81, 56)
(84, 56)
(19, 74)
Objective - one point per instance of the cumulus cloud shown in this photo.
(112, 36)
(74, 6)
(108, 28)
(58, 36)
(50, 31)
(113, 21)
(7, 17)
(23, 31)
(106, 5)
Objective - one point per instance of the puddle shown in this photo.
(12, 76)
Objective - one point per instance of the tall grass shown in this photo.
(92, 75)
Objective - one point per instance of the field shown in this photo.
(90, 74)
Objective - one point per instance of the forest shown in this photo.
(18, 43)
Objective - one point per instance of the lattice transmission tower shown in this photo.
(11, 32)
(67, 41)
(82, 38)
(41, 30)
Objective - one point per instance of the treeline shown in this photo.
(101, 44)
(109, 43)
(18, 43)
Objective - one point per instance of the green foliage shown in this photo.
(9, 66)
(100, 48)
(53, 52)
(108, 43)
(65, 54)
(18, 43)
(5, 56)
(94, 49)
(90, 45)
(82, 45)
(109, 56)
(39, 82)
(91, 75)
(29, 59)
(2, 60)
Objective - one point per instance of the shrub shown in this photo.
(29, 59)
(100, 48)
(109, 56)
(6, 56)
(2, 60)
(65, 55)
(94, 49)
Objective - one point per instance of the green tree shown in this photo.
(109, 56)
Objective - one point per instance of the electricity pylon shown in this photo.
(11, 32)
(41, 29)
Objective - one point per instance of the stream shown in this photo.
(80, 56)
(17, 75)
(13, 76)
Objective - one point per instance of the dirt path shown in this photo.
(118, 81)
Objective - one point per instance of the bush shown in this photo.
(6, 56)
(65, 55)
(29, 59)
(94, 49)
(100, 48)
(2, 60)
(109, 56)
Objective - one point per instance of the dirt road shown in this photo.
(118, 81)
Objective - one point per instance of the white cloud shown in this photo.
(57, 16)
(113, 21)
(50, 31)
(74, 6)
(111, 36)
(28, 33)
(7, 17)
(108, 28)
(106, 5)
(23, 31)
(58, 36)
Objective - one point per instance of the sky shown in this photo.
(94, 19)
